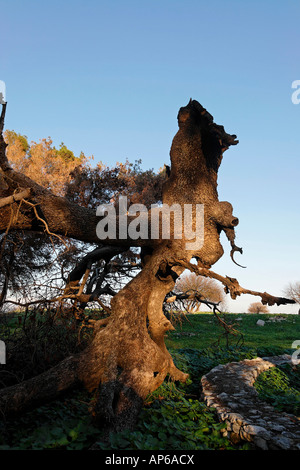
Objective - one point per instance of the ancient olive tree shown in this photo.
(128, 358)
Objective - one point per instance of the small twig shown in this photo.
(45, 224)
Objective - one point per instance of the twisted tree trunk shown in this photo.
(127, 358)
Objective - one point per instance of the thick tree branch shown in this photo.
(102, 253)
(232, 286)
(62, 216)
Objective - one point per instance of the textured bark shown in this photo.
(37, 390)
(127, 358)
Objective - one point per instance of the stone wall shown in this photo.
(229, 389)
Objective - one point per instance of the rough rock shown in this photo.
(229, 389)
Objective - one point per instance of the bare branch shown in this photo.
(15, 197)
(232, 286)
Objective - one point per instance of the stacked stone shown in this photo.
(229, 389)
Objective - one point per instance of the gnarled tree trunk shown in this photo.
(127, 358)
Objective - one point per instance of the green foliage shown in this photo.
(63, 424)
(66, 154)
(174, 417)
(280, 386)
(173, 424)
(12, 136)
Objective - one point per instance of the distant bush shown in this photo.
(258, 307)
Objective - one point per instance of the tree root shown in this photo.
(40, 389)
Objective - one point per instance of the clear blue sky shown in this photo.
(108, 77)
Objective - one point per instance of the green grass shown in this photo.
(174, 416)
(280, 386)
(203, 330)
